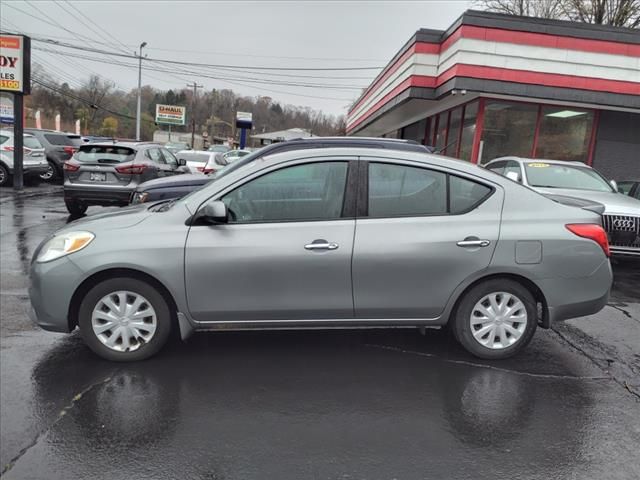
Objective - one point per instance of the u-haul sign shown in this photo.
(15, 63)
(170, 114)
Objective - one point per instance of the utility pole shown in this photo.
(193, 112)
(142, 45)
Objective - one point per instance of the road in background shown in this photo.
(375, 404)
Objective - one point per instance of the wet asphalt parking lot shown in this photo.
(383, 404)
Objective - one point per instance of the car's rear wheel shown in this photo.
(495, 319)
(75, 208)
(5, 176)
(51, 174)
(124, 319)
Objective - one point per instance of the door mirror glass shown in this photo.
(515, 176)
(182, 162)
(214, 212)
(614, 185)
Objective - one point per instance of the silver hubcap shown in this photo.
(2, 179)
(124, 321)
(498, 320)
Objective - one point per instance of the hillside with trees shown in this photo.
(105, 110)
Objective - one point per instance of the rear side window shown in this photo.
(61, 139)
(3, 138)
(398, 190)
(104, 154)
(31, 142)
(403, 191)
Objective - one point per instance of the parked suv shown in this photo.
(59, 147)
(33, 160)
(621, 218)
(107, 173)
(327, 238)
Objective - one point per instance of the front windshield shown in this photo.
(550, 175)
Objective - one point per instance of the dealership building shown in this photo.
(494, 85)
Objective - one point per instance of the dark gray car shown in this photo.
(107, 173)
(322, 238)
(58, 147)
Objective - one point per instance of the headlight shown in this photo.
(139, 197)
(64, 244)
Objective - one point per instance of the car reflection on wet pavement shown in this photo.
(375, 404)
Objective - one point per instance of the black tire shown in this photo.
(75, 208)
(154, 298)
(462, 318)
(5, 176)
(50, 175)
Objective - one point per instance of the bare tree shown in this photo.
(619, 13)
(529, 8)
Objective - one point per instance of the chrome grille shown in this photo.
(623, 230)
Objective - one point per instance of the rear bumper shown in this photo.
(577, 297)
(98, 196)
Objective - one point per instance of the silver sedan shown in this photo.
(322, 238)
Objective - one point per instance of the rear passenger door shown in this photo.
(155, 155)
(420, 232)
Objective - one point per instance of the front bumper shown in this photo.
(615, 250)
(51, 287)
(98, 196)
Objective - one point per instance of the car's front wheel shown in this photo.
(495, 319)
(124, 319)
(5, 176)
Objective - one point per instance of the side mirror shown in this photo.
(515, 176)
(214, 212)
(614, 185)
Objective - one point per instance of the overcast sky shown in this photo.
(291, 34)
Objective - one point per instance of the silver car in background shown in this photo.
(34, 161)
(621, 218)
(322, 238)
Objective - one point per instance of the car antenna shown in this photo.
(440, 150)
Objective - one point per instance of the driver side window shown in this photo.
(313, 191)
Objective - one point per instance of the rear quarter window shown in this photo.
(465, 195)
(31, 142)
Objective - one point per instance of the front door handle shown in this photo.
(473, 242)
(321, 245)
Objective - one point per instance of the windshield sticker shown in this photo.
(537, 165)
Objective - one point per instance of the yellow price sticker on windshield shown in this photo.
(537, 165)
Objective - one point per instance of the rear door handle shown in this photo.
(321, 245)
(473, 243)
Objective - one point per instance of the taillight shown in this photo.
(8, 149)
(592, 231)
(69, 150)
(71, 167)
(133, 169)
(205, 170)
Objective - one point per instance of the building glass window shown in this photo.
(564, 134)
(509, 129)
(454, 132)
(441, 134)
(468, 130)
(415, 131)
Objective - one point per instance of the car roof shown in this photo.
(573, 163)
(47, 130)
(131, 144)
(11, 134)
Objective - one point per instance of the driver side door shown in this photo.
(285, 253)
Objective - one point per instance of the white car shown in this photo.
(200, 161)
(34, 160)
(621, 218)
